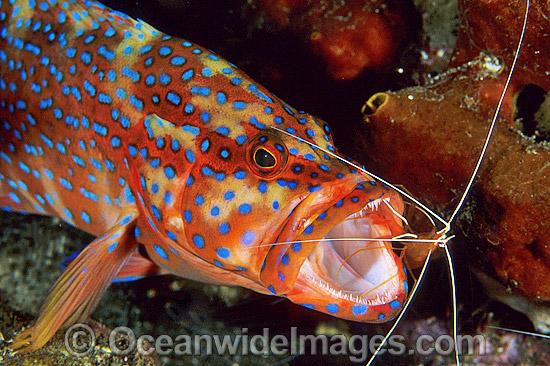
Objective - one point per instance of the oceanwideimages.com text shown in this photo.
(80, 340)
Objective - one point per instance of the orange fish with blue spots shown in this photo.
(180, 163)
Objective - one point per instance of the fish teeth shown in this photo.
(369, 208)
(346, 295)
(374, 204)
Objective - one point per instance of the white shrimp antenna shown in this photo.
(443, 239)
(460, 204)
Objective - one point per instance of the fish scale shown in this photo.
(179, 163)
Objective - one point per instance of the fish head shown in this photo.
(280, 208)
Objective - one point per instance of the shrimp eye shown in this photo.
(264, 159)
(266, 155)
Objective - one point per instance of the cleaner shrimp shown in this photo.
(421, 246)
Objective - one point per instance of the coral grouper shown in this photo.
(179, 163)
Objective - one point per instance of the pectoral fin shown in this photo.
(77, 292)
(138, 267)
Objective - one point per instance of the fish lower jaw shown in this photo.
(353, 297)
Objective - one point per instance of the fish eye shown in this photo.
(264, 159)
(266, 155)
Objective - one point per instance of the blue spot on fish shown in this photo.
(395, 304)
(161, 252)
(248, 238)
(198, 241)
(332, 308)
(112, 247)
(359, 309)
(223, 252)
(85, 216)
(244, 208)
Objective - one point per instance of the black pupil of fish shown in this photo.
(264, 158)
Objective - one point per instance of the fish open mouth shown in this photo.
(335, 253)
(347, 266)
(350, 267)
